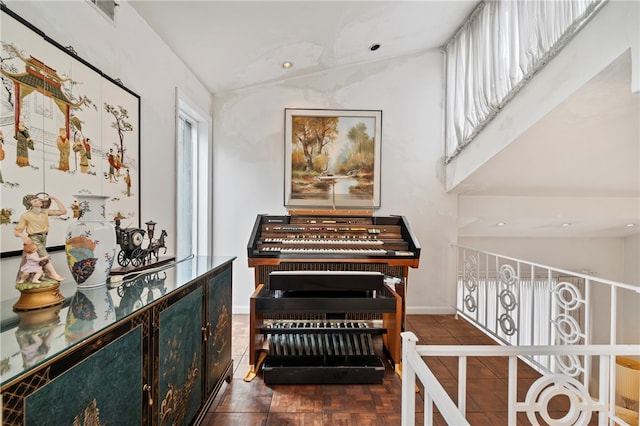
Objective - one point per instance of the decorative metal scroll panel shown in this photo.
(583, 407)
(522, 304)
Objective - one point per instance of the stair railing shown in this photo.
(536, 404)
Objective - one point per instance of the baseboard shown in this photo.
(430, 310)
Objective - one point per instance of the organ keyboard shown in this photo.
(346, 237)
(328, 242)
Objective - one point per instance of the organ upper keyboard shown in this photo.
(386, 239)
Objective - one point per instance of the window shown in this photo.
(107, 7)
(194, 182)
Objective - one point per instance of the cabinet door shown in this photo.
(179, 359)
(219, 341)
(105, 388)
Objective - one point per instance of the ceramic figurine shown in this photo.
(37, 279)
(33, 226)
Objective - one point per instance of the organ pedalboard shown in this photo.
(331, 348)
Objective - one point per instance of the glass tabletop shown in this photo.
(29, 338)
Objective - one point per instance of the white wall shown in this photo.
(249, 148)
(632, 260)
(130, 51)
(249, 162)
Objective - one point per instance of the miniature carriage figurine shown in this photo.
(131, 245)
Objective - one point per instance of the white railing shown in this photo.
(563, 323)
(523, 303)
(582, 403)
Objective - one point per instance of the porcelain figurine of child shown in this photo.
(33, 227)
(31, 265)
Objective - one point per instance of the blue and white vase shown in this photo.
(90, 243)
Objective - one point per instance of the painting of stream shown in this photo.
(333, 158)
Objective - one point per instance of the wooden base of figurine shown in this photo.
(38, 295)
(129, 268)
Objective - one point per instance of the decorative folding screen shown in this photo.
(83, 128)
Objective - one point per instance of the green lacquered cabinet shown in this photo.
(179, 359)
(156, 354)
(84, 393)
(219, 330)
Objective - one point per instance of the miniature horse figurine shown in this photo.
(155, 246)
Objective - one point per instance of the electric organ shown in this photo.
(326, 285)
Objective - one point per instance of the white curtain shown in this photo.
(501, 46)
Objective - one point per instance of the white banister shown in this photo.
(550, 318)
(518, 302)
(513, 389)
(435, 394)
(540, 393)
(462, 390)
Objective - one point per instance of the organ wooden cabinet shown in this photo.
(339, 244)
(152, 350)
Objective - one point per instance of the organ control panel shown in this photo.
(388, 239)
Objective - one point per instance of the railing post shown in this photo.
(588, 321)
(462, 385)
(606, 393)
(408, 407)
(512, 397)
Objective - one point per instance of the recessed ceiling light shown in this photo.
(286, 65)
(500, 224)
(374, 46)
(564, 225)
(631, 225)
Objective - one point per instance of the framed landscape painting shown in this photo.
(332, 158)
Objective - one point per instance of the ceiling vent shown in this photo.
(107, 7)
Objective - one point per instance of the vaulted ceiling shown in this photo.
(246, 43)
(235, 44)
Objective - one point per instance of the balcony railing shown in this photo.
(524, 303)
(582, 403)
(567, 325)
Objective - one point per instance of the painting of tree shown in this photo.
(120, 115)
(332, 155)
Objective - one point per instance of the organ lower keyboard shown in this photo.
(335, 241)
(307, 326)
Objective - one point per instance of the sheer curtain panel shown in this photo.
(497, 50)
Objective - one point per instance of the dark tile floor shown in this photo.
(254, 403)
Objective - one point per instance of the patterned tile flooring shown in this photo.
(254, 403)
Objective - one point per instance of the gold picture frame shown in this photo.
(332, 158)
